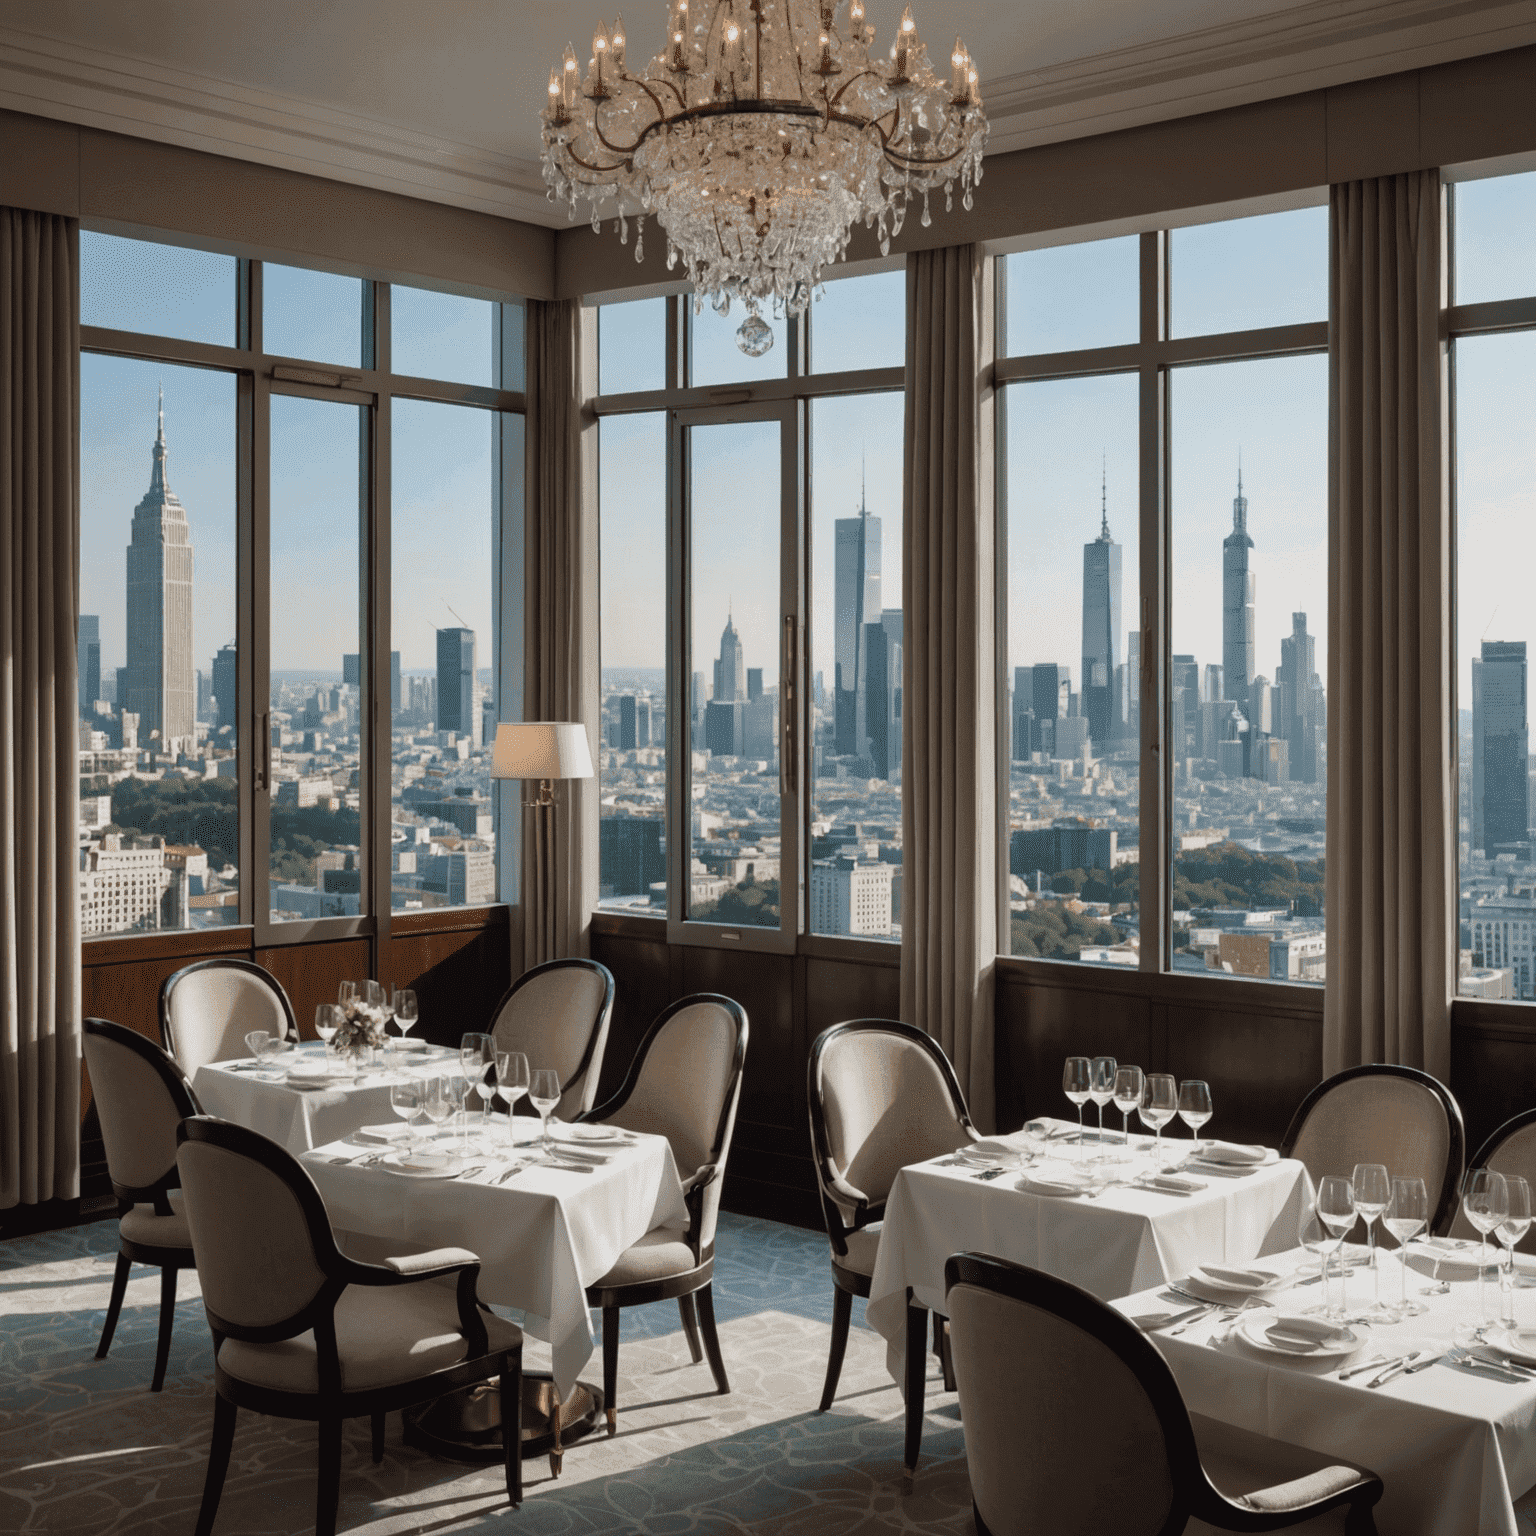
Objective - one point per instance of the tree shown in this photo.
(753, 904)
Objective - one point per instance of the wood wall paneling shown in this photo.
(311, 973)
(646, 979)
(1493, 1064)
(458, 975)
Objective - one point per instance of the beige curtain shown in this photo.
(1391, 786)
(948, 757)
(39, 733)
(560, 872)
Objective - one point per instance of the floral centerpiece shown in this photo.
(361, 1027)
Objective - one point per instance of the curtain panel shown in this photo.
(948, 756)
(39, 730)
(560, 624)
(1391, 774)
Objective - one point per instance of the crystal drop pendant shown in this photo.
(755, 336)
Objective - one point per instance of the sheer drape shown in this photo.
(1391, 791)
(948, 765)
(39, 733)
(560, 848)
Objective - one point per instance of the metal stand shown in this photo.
(466, 1425)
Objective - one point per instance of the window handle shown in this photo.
(788, 766)
(263, 766)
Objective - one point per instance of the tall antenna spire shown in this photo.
(1240, 503)
(1104, 498)
(160, 434)
(863, 482)
(157, 476)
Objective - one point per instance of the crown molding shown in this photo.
(1306, 47)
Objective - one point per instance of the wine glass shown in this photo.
(456, 1087)
(477, 1059)
(1077, 1083)
(346, 995)
(268, 1051)
(1485, 1203)
(1159, 1104)
(1406, 1216)
(512, 1076)
(402, 1003)
(326, 1022)
(436, 1101)
(1037, 1134)
(1102, 1086)
(256, 1043)
(1373, 1192)
(405, 1098)
(544, 1094)
(1509, 1232)
(1195, 1108)
(1336, 1211)
(1317, 1237)
(1129, 1086)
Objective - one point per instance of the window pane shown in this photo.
(317, 865)
(164, 290)
(1073, 296)
(734, 836)
(159, 805)
(317, 315)
(1495, 510)
(633, 557)
(856, 665)
(632, 346)
(1074, 716)
(860, 322)
(1495, 238)
(1246, 273)
(718, 360)
(1250, 643)
(443, 336)
(442, 682)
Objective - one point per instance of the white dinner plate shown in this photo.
(393, 1131)
(433, 1165)
(1252, 1330)
(601, 1134)
(1208, 1284)
(1517, 1344)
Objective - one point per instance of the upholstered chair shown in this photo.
(1397, 1116)
(141, 1097)
(300, 1331)
(207, 1009)
(882, 1094)
(1074, 1423)
(684, 1084)
(1511, 1149)
(557, 1015)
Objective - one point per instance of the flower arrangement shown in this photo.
(360, 1026)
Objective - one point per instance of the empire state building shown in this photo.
(161, 688)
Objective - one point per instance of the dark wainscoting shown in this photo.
(1493, 1064)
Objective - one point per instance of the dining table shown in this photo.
(1453, 1439)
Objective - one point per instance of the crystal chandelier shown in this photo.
(757, 137)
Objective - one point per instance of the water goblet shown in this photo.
(1037, 1138)
(1159, 1104)
(405, 1098)
(1373, 1192)
(544, 1095)
(256, 1043)
(268, 1054)
(477, 1060)
(1485, 1203)
(1077, 1083)
(1129, 1086)
(326, 1022)
(1509, 1232)
(1336, 1211)
(512, 1076)
(1195, 1108)
(1317, 1237)
(402, 1003)
(1406, 1216)
(1101, 1073)
(346, 995)
(437, 1101)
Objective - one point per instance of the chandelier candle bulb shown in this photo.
(616, 44)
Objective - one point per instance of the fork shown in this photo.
(1476, 1364)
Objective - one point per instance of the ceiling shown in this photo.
(440, 100)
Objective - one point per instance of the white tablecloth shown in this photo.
(1122, 1241)
(1453, 1449)
(542, 1238)
(301, 1118)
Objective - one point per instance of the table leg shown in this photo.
(916, 1374)
(466, 1425)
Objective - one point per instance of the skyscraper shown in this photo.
(1101, 630)
(634, 722)
(856, 594)
(730, 669)
(882, 644)
(456, 683)
(1300, 700)
(1051, 692)
(1237, 602)
(1500, 744)
(226, 675)
(89, 657)
(159, 671)
(1184, 685)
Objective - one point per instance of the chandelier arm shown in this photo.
(854, 80)
(627, 151)
(597, 170)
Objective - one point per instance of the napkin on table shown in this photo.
(1234, 1279)
(1302, 1332)
(1041, 1186)
(1233, 1153)
(1174, 1185)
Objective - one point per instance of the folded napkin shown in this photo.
(1172, 1184)
(989, 1147)
(1302, 1333)
(1233, 1154)
(1234, 1279)
(1040, 1186)
(391, 1132)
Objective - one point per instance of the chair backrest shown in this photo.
(1397, 1116)
(1073, 1421)
(1511, 1149)
(882, 1095)
(265, 1254)
(207, 1010)
(684, 1084)
(557, 1015)
(141, 1097)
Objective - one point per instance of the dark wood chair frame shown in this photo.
(693, 1288)
(829, 1183)
(331, 1404)
(599, 1024)
(1194, 1495)
(219, 963)
(1450, 1190)
(1497, 1139)
(169, 1261)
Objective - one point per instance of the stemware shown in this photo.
(405, 1098)
(544, 1094)
(1515, 1225)
(1195, 1108)
(1336, 1211)
(268, 1051)
(1077, 1083)
(346, 995)
(456, 1087)
(477, 1060)
(1129, 1085)
(436, 1100)
(1373, 1192)
(512, 1076)
(1485, 1203)
(1159, 1104)
(1101, 1089)
(256, 1043)
(1318, 1237)
(1406, 1216)
(326, 1022)
(402, 1003)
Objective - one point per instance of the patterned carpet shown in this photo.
(86, 1448)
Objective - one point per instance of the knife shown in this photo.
(1394, 1369)
(1188, 1314)
(1423, 1365)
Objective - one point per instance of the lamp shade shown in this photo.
(541, 749)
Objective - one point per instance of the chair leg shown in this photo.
(611, 1367)
(946, 1354)
(328, 1479)
(218, 1462)
(690, 1316)
(916, 1374)
(115, 1305)
(167, 1322)
(704, 1299)
(557, 1450)
(512, 1423)
(378, 1438)
(1361, 1520)
(842, 1314)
